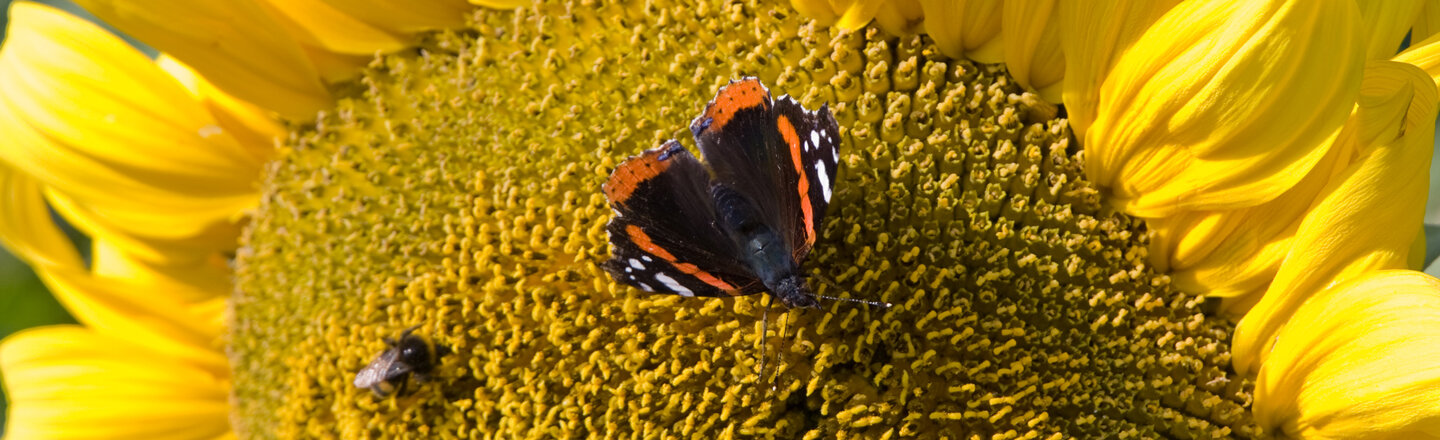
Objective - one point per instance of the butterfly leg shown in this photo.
(784, 325)
(764, 331)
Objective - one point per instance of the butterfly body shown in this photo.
(762, 249)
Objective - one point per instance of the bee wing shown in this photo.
(378, 370)
(397, 368)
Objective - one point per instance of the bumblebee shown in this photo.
(390, 371)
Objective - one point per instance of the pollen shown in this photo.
(459, 190)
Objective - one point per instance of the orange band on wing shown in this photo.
(733, 98)
(628, 175)
(787, 132)
(643, 240)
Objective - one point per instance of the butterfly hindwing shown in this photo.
(777, 154)
(664, 235)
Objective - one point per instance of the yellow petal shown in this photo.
(192, 282)
(26, 227)
(93, 119)
(68, 382)
(859, 13)
(1033, 52)
(966, 28)
(1367, 216)
(254, 128)
(181, 323)
(1234, 254)
(334, 66)
(818, 10)
(1096, 34)
(319, 24)
(237, 45)
(415, 16)
(1427, 22)
(113, 307)
(900, 17)
(195, 243)
(1224, 105)
(340, 38)
(502, 4)
(1387, 21)
(1360, 360)
(1224, 254)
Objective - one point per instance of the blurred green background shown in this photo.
(24, 301)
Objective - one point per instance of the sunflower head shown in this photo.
(462, 195)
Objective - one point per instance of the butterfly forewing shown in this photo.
(665, 236)
(680, 225)
(779, 155)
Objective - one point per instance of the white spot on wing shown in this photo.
(673, 285)
(647, 258)
(636, 264)
(815, 138)
(824, 179)
(645, 287)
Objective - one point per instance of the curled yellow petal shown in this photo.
(966, 28)
(1360, 360)
(1033, 53)
(1425, 55)
(122, 147)
(1096, 34)
(69, 382)
(1368, 216)
(237, 45)
(1223, 105)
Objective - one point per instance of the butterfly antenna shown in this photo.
(861, 301)
(832, 284)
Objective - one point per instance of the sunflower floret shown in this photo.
(461, 194)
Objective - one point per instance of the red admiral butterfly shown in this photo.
(743, 224)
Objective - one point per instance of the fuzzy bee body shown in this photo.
(390, 371)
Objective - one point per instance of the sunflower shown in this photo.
(1048, 273)
(158, 166)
